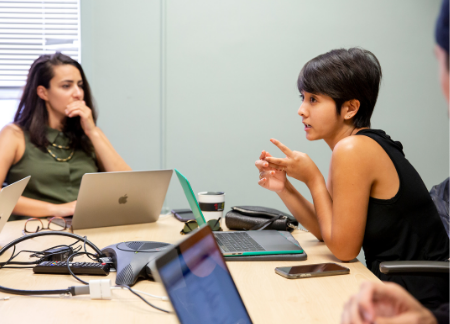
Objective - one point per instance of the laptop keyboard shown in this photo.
(240, 241)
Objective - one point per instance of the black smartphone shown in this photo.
(312, 270)
(183, 215)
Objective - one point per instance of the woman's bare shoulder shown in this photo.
(355, 145)
(359, 150)
(12, 132)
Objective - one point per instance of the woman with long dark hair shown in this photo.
(54, 138)
(373, 198)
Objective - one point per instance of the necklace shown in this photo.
(61, 147)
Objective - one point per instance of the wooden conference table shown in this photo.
(269, 298)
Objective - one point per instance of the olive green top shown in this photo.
(52, 181)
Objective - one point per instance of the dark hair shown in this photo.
(441, 30)
(344, 75)
(32, 115)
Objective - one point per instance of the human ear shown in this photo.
(350, 108)
(42, 93)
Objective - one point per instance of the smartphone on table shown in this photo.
(312, 270)
(183, 215)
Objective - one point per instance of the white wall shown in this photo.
(229, 83)
(120, 55)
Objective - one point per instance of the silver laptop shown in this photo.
(120, 198)
(242, 243)
(9, 197)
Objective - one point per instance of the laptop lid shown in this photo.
(198, 282)
(9, 196)
(120, 198)
(190, 196)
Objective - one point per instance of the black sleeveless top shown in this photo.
(406, 227)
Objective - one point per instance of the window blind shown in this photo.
(31, 28)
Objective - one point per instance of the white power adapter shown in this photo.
(100, 289)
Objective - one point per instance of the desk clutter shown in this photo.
(257, 282)
(131, 260)
(261, 234)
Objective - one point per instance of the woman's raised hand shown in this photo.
(270, 178)
(296, 164)
(79, 108)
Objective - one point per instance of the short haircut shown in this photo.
(345, 75)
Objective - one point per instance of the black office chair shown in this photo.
(389, 267)
(440, 196)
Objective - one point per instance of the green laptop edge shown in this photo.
(190, 196)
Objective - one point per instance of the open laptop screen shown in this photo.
(198, 282)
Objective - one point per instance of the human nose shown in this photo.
(78, 93)
(301, 110)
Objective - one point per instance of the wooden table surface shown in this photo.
(269, 298)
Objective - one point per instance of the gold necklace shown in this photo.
(61, 147)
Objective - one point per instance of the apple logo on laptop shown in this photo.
(123, 199)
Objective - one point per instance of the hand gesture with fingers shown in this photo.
(296, 164)
(270, 178)
(386, 303)
(79, 108)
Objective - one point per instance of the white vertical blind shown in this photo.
(32, 28)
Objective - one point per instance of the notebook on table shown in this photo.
(242, 245)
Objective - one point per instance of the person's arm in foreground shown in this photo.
(385, 303)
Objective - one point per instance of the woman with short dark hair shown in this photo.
(54, 138)
(373, 198)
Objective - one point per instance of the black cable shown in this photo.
(36, 253)
(70, 270)
(13, 243)
(20, 263)
(143, 299)
(85, 250)
(54, 233)
(12, 254)
(34, 292)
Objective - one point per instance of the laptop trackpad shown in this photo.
(272, 240)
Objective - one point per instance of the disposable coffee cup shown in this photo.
(211, 204)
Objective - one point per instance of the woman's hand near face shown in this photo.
(296, 164)
(270, 178)
(107, 157)
(79, 108)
